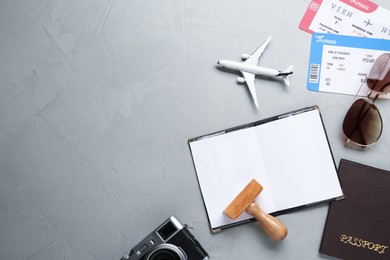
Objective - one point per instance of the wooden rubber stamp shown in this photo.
(245, 201)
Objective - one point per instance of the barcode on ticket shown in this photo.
(314, 72)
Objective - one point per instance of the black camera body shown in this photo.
(170, 241)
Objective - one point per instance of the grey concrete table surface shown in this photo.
(98, 99)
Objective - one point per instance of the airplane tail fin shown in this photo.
(287, 72)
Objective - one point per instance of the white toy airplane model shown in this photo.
(250, 69)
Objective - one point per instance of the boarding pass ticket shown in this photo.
(340, 63)
(347, 17)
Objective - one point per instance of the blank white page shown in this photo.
(289, 156)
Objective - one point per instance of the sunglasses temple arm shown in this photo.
(361, 86)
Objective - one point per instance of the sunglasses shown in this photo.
(363, 124)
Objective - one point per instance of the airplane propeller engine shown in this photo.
(245, 56)
(240, 80)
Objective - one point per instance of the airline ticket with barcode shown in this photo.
(347, 17)
(340, 64)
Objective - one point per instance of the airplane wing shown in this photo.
(254, 58)
(250, 81)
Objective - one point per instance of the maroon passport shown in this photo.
(358, 226)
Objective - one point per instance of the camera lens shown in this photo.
(166, 252)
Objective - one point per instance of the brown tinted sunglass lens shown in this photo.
(379, 77)
(362, 123)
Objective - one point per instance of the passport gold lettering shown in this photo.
(358, 242)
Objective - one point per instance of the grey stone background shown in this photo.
(97, 102)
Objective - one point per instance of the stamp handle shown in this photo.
(271, 225)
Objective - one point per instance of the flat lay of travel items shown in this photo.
(238, 169)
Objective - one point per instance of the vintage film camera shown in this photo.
(170, 241)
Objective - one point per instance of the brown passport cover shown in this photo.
(358, 227)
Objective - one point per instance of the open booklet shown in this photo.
(289, 155)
